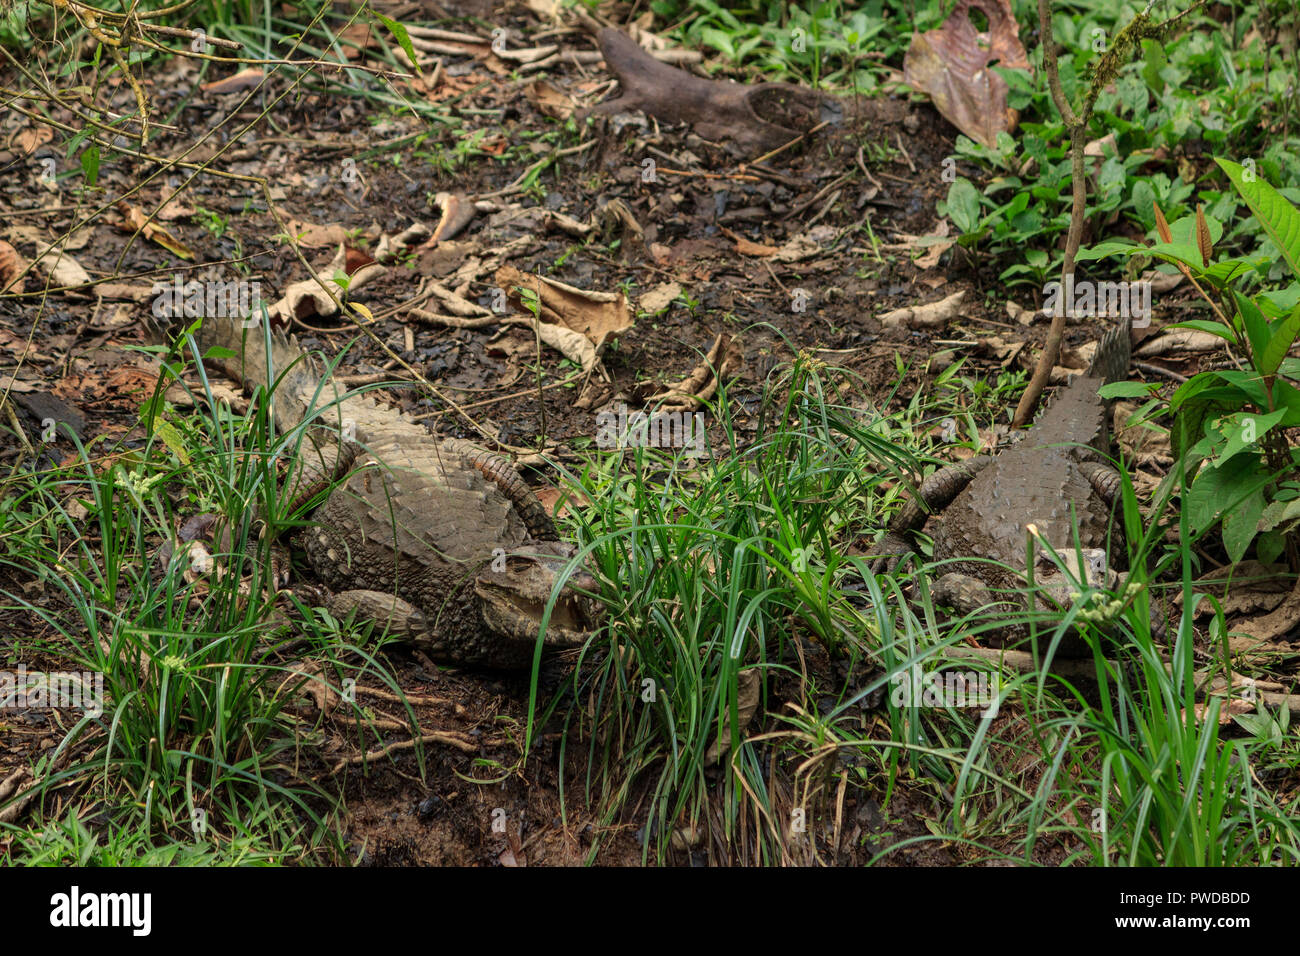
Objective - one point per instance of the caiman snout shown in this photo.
(514, 591)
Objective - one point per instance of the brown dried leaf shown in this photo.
(748, 687)
(137, 221)
(1227, 710)
(63, 270)
(316, 236)
(952, 63)
(30, 140)
(11, 265)
(596, 316)
(457, 213)
(1162, 225)
(549, 99)
(241, 82)
(1203, 240)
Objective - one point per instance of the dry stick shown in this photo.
(408, 699)
(541, 163)
(436, 737)
(567, 380)
(696, 174)
(781, 149)
(1153, 369)
(537, 344)
(1138, 28)
(866, 172)
(191, 35)
(1076, 126)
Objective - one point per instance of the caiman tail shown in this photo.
(298, 374)
(1114, 351)
(302, 390)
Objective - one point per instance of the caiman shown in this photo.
(1053, 479)
(438, 541)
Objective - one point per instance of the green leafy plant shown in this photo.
(1230, 423)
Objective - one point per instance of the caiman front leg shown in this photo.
(405, 623)
(934, 494)
(390, 614)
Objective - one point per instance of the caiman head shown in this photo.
(512, 600)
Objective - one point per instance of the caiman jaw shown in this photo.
(512, 601)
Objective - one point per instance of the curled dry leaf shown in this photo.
(806, 245)
(240, 82)
(137, 221)
(12, 265)
(549, 99)
(457, 213)
(747, 248)
(748, 687)
(1020, 314)
(660, 297)
(1227, 710)
(64, 270)
(313, 236)
(936, 241)
(304, 678)
(952, 64)
(173, 209)
(308, 298)
(615, 220)
(596, 317)
(723, 360)
(927, 316)
(457, 304)
(30, 140)
(1281, 620)
(1181, 340)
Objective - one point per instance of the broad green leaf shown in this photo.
(90, 164)
(1188, 253)
(1286, 395)
(1183, 229)
(963, 206)
(1126, 390)
(1196, 402)
(1257, 330)
(1113, 247)
(1278, 217)
(1153, 54)
(172, 439)
(1241, 524)
(403, 38)
(1222, 272)
(1284, 336)
(1246, 432)
(77, 139)
(1279, 512)
(1278, 302)
(1234, 495)
(1206, 386)
(1205, 325)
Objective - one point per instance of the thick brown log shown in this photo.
(755, 118)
